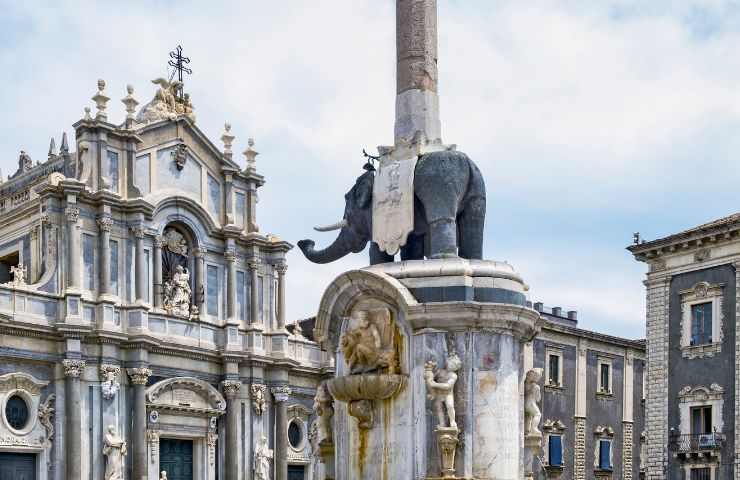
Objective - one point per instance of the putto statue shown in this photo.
(19, 275)
(177, 293)
(441, 389)
(532, 396)
(114, 448)
(262, 456)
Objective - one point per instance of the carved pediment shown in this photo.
(21, 381)
(701, 393)
(186, 393)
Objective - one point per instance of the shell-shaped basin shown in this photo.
(365, 387)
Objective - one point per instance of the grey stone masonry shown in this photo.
(580, 449)
(657, 375)
(627, 450)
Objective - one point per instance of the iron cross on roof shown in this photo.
(178, 61)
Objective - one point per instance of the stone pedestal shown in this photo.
(463, 322)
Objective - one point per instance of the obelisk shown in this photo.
(417, 103)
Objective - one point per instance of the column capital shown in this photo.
(105, 223)
(231, 388)
(72, 213)
(281, 268)
(199, 252)
(253, 264)
(159, 241)
(139, 376)
(137, 230)
(281, 393)
(45, 218)
(73, 368)
(230, 254)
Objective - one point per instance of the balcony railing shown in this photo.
(696, 443)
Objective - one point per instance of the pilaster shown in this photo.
(73, 371)
(656, 409)
(231, 390)
(281, 395)
(579, 450)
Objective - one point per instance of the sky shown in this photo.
(589, 120)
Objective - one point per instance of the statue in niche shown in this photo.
(367, 343)
(532, 396)
(262, 457)
(441, 389)
(177, 293)
(323, 405)
(114, 448)
(175, 242)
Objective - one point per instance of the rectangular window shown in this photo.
(88, 259)
(148, 279)
(113, 170)
(703, 473)
(701, 323)
(555, 450)
(113, 245)
(240, 209)
(241, 295)
(141, 173)
(605, 454)
(604, 377)
(554, 369)
(213, 289)
(261, 294)
(701, 420)
(214, 197)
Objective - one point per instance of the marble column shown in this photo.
(139, 378)
(73, 370)
(158, 244)
(231, 392)
(200, 272)
(281, 268)
(254, 302)
(105, 223)
(230, 257)
(281, 395)
(74, 256)
(140, 280)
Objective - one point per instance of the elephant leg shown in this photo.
(377, 256)
(414, 248)
(470, 229)
(443, 238)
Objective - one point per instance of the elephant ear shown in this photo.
(364, 190)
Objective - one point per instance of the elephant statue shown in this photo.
(449, 214)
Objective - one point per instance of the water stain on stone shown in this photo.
(487, 384)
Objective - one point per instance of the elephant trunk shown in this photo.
(341, 246)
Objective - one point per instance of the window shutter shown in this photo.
(707, 323)
(556, 450)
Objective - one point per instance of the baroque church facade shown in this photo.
(142, 312)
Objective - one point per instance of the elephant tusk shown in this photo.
(335, 226)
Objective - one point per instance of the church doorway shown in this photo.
(176, 458)
(17, 466)
(296, 472)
